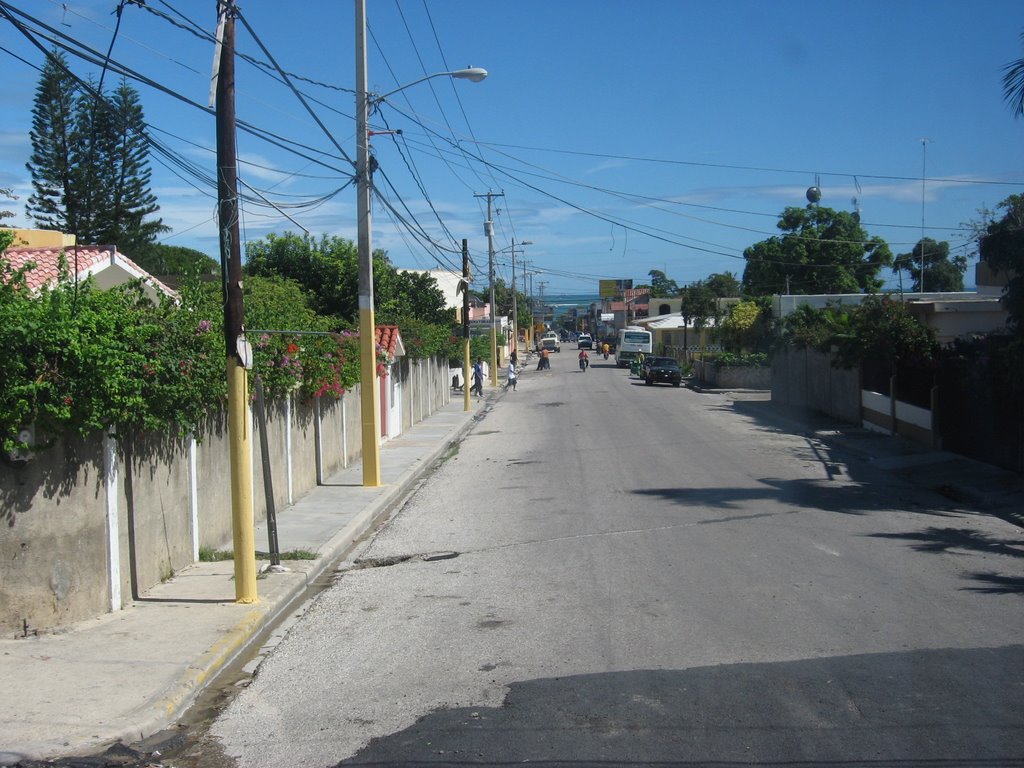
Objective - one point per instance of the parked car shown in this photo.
(663, 369)
(584, 341)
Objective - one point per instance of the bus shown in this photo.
(632, 341)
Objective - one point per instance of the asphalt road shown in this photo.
(609, 573)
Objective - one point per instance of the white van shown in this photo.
(550, 342)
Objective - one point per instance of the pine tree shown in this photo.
(51, 204)
(122, 159)
(88, 155)
(89, 163)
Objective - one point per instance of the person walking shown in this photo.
(478, 378)
(512, 376)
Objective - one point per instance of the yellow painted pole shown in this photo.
(369, 394)
(242, 530)
(239, 424)
(369, 398)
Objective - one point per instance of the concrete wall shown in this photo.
(806, 378)
(732, 376)
(53, 538)
(88, 521)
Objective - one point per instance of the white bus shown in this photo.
(632, 341)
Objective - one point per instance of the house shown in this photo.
(104, 263)
(389, 349)
(670, 332)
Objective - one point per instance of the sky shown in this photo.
(617, 137)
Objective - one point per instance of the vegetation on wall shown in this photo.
(79, 359)
(880, 329)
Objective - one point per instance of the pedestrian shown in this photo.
(478, 378)
(512, 375)
(543, 363)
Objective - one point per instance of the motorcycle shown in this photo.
(584, 364)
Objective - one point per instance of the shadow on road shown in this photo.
(926, 708)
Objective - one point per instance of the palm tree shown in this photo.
(1013, 85)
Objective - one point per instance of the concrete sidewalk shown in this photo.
(129, 674)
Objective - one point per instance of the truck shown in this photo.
(550, 342)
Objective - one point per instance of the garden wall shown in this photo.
(713, 374)
(88, 523)
(806, 378)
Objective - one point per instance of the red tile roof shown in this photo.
(390, 339)
(89, 260)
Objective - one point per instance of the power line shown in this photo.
(726, 166)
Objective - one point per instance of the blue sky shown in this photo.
(624, 136)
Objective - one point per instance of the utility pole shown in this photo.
(543, 312)
(237, 352)
(924, 161)
(465, 324)
(489, 231)
(515, 298)
(515, 304)
(369, 395)
(529, 335)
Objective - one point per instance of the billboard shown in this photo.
(609, 289)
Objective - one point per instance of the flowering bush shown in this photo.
(78, 359)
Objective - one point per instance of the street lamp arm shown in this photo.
(473, 74)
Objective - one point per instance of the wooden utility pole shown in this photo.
(239, 423)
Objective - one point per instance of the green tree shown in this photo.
(941, 271)
(412, 295)
(327, 269)
(52, 203)
(820, 251)
(161, 259)
(698, 305)
(883, 330)
(724, 285)
(8, 194)
(810, 327)
(89, 162)
(1013, 84)
(123, 186)
(662, 286)
(740, 329)
(1002, 248)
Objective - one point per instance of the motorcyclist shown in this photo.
(605, 349)
(584, 360)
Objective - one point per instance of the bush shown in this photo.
(740, 360)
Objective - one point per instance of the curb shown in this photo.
(166, 709)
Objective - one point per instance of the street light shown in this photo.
(369, 396)
(473, 74)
